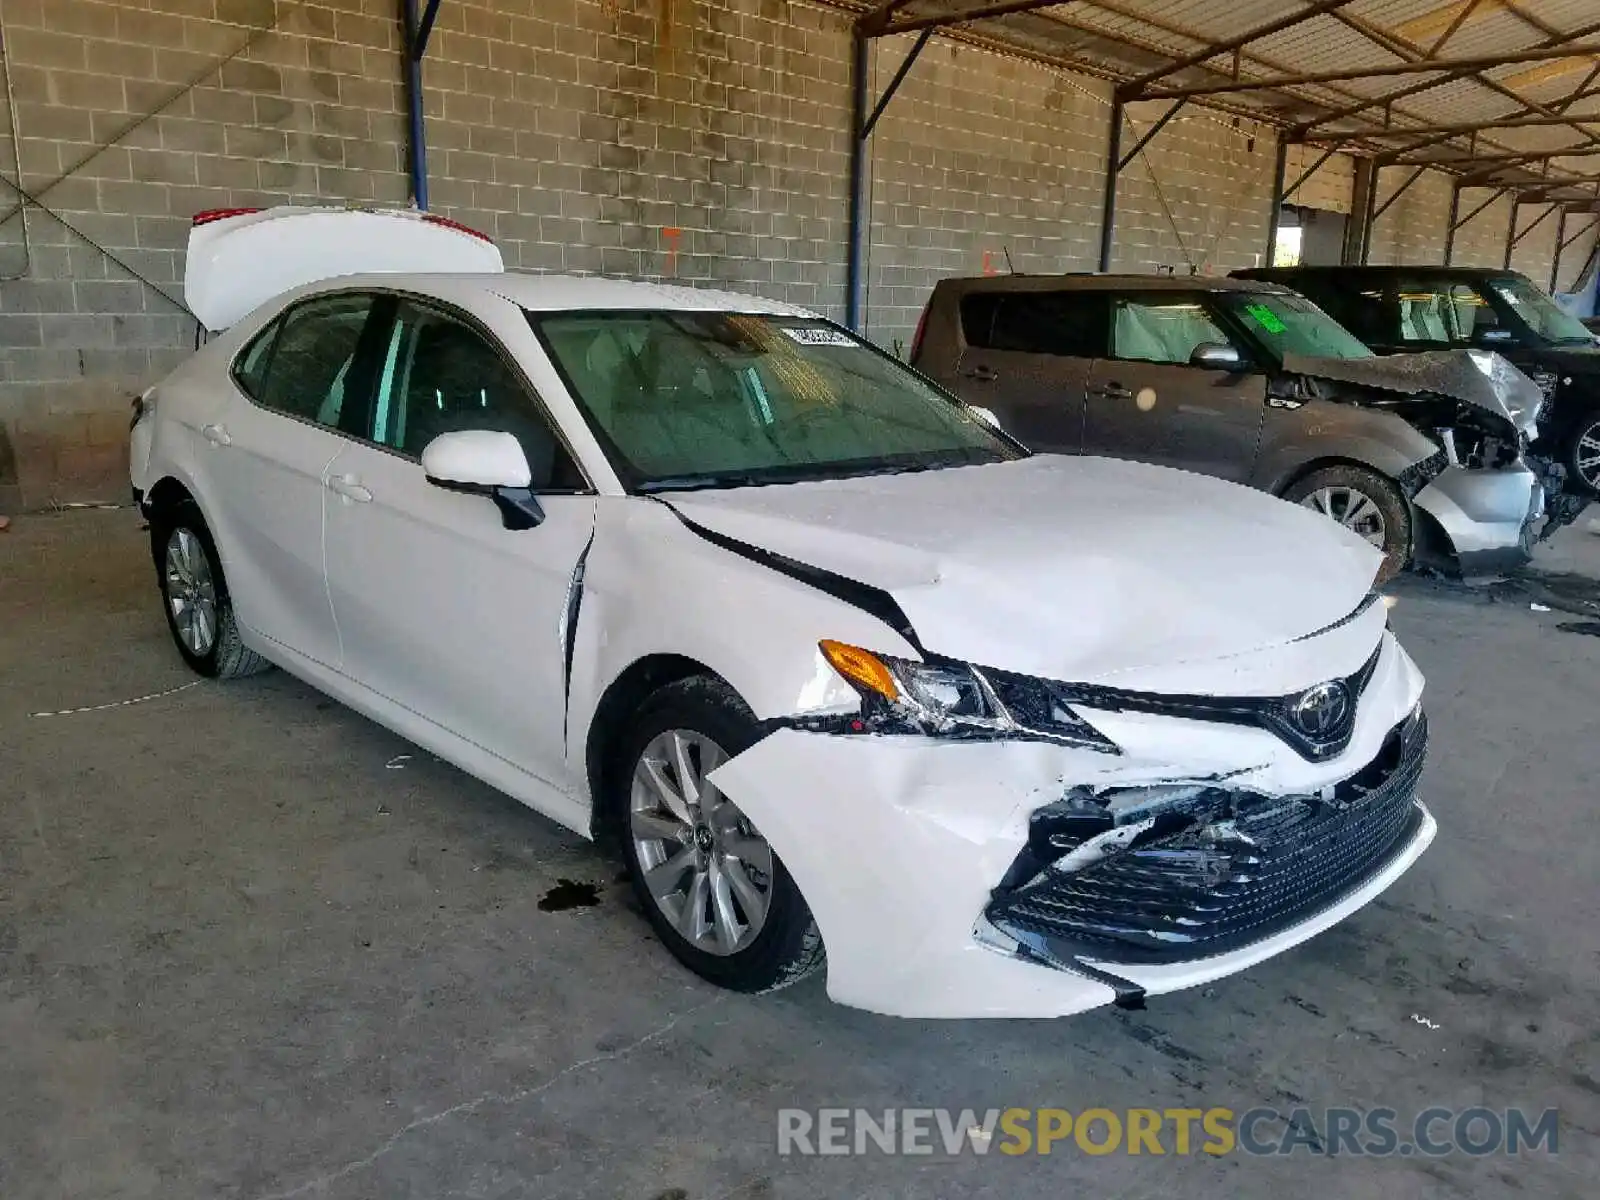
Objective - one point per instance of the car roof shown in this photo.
(564, 293)
(1106, 283)
(1377, 272)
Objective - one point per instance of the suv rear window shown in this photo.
(1064, 324)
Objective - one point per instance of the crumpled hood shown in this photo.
(1069, 568)
(1481, 378)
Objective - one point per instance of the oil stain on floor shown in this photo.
(570, 893)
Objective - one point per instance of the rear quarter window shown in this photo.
(1066, 324)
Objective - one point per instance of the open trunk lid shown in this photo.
(240, 258)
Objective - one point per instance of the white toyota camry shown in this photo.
(849, 675)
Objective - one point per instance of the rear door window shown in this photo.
(310, 364)
(1442, 313)
(1067, 324)
(1163, 327)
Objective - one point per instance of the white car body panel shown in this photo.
(415, 606)
(1068, 564)
(442, 610)
(944, 820)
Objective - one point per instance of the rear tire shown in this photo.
(194, 595)
(1365, 502)
(710, 887)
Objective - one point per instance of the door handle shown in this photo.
(349, 487)
(1115, 391)
(217, 435)
(981, 374)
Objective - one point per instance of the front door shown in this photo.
(442, 610)
(1147, 402)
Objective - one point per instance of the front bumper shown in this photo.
(899, 844)
(1487, 516)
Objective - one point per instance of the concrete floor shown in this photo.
(243, 956)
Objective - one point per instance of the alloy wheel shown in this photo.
(705, 867)
(1353, 509)
(1587, 456)
(191, 592)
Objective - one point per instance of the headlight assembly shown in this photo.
(954, 699)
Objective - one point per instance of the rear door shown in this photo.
(1146, 402)
(267, 451)
(1027, 359)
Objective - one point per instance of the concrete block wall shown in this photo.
(697, 140)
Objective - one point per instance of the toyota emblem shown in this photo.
(1322, 711)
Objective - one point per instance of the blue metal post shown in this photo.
(416, 42)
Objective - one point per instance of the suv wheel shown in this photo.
(1583, 453)
(709, 883)
(1364, 502)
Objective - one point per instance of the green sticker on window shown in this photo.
(1266, 318)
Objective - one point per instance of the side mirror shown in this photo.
(485, 462)
(1215, 356)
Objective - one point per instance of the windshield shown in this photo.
(709, 399)
(1539, 312)
(1292, 325)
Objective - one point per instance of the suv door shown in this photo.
(442, 609)
(1147, 402)
(1027, 357)
(268, 448)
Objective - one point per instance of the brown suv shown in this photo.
(1253, 383)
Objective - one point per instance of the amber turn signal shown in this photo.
(861, 667)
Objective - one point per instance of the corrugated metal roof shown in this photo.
(1124, 39)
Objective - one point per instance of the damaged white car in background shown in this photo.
(848, 674)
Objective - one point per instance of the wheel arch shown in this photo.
(621, 699)
(1295, 475)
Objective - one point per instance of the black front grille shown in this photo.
(1247, 867)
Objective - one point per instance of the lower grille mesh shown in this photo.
(1230, 882)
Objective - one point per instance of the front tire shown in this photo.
(194, 596)
(1364, 502)
(709, 884)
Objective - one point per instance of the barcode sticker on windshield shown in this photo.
(820, 337)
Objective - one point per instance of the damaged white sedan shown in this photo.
(847, 673)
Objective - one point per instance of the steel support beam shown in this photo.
(894, 84)
(1355, 229)
(1465, 65)
(1453, 223)
(913, 24)
(1108, 209)
(1134, 87)
(1122, 163)
(858, 214)
(1457, 128)
(416, 28)
(1398, 192)
(862, 124)
(1275, 210)
(1561, 244)
(1517, 237)
(1511, 232)
(1450, 76)
(1294, 187)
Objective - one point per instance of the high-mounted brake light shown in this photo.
(447, 223)
(221, 214)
